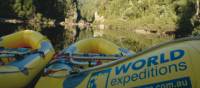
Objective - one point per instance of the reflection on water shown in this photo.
(56, 35)
(6, 28)
(85, 33)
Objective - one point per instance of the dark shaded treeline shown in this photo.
(28, 9)
(25, 9)
(185, 26)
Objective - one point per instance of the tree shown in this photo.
(24, 8)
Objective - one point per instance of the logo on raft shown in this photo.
(99, 78)
(149, 67)
(150, 61)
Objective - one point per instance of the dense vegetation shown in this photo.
(134, 24)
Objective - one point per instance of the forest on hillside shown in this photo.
(133, 24)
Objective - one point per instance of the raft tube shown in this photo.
(88, 48)
(96, 48)
(174, 64)
(20, 73)
(96, 45)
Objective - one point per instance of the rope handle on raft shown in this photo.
(94, 55)
(13, 54)
(89, 57)
(17, 55)
(84, 59)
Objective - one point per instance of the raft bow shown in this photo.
(20, 72)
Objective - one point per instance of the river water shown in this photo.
(60, 36)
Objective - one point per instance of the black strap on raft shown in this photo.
(35, 52)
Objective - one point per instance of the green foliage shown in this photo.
(125, 16)
(24, 8)
(121, 19)
(89, 7)
(196, 32)
(68, 8)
